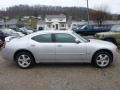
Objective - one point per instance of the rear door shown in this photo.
(43, 48)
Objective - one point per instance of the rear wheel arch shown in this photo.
(23, 50)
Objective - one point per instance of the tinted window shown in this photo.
(43, 38)
(65, 38)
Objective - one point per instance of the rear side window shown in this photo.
(43, 38)
(64, 38)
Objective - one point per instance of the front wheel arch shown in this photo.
(102, 50)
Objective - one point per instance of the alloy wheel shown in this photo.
(24, 61)
(102, 60)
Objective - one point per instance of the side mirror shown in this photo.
(77, 41)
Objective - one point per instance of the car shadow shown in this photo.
(62, 65)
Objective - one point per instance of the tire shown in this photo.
(102, 59)
(111, 40)
(24, 60)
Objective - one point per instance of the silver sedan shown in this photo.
(58, 47)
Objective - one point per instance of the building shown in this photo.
(55, 22)
(11, 23)
(40, 25)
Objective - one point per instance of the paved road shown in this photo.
(59, 77)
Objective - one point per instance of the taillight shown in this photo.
(4, 44)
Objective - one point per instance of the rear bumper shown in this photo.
(7, 54)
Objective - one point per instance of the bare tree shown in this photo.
(77, 13)
(100, 15)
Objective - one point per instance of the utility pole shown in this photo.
(4, 22)
(88, 17)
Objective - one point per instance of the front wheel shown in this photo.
(102, 59)
(24, 60)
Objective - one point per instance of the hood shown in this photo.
(106, 33)
(101, 43)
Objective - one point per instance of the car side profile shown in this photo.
(91, 29)
(58, 47)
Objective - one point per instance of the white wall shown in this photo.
(53, 22)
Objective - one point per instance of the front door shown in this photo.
(67, 50)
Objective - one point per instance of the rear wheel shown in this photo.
(24, 60)
(102, 59)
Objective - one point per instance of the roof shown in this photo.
(51, 31)
(55, 31)
(61, 16)
(41, 22)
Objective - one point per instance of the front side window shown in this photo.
(43, 38)
(64, 38)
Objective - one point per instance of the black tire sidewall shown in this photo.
(102, 52)
(25, 53)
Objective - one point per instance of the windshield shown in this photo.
(83, 26)
(81, 38)
(115, 28)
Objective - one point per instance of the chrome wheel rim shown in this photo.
(103, 60)
(24, 61)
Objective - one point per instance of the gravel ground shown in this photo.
(59, 77)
